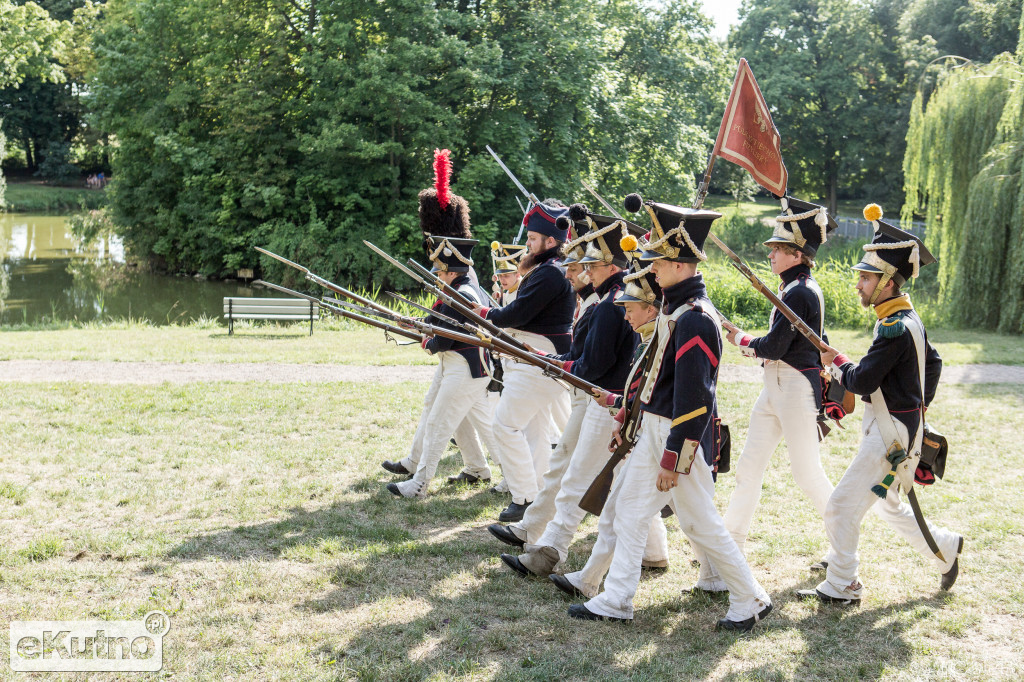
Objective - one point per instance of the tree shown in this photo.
(825, 69)
(30, 45)
(307, 125)
(974, 29)
(965, 156)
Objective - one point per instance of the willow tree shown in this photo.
(965, 155)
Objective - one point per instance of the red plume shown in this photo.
(442, 176)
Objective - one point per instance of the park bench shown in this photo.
(278, 309)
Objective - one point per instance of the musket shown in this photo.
(594, 499)
(530, 196)
(786, 311)
(468, 327)
(479, 339)
(450, 296)
(341, 312)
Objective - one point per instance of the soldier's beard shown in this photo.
(532, 259)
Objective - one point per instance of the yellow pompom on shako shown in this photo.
(495, 246)
(629, 243)
(872, 212)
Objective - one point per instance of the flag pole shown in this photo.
(702, 189)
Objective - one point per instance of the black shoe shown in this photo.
(393, 489)
(949, 577)
(395, 468)
(468, 479)
(505, 535)
(513, 512)
(583, 613)
(818, 567)
(516, 565)
(743, 625)
(827, 598)
(562, 583)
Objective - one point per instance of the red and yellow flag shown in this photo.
(747, 136)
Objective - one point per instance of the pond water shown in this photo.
(46, 275)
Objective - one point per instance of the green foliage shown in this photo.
(308, 126)
(32, 43)
(735, 298)
(963, 166)
(974, 29)
(827, 69)
(91, 225)
(56, 166)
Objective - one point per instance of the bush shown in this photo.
(737, 299)
(56, 166)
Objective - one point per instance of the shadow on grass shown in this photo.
(376, 520)
(419, 592)
(472, 616)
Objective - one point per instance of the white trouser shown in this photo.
(412, 460)
(639, 498)
(521, 425)
(588, 580)
(560, 411)
(543, 508)
(785, 409)
(586, 463)
(852, 499)
(472, 456)
(468, 436)
(459, 397)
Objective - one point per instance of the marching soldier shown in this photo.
(791, 398)
(540, 316)
(462, 392)
(678, 436)
(529, 528)
(445, 223)
(505, 259)
(641, 301)
(605, 360)
(897, 379)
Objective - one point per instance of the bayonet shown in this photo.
(601, 199)
(429, 311)
(529, 195)
(383, 254)
(388, 328)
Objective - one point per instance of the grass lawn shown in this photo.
(357, 345)
(37, 197)
(255, 516)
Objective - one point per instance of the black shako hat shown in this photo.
(641, 286)
(893, 253)
(603, 240)
(449, 254)
(577, 227)
(505, 257)
(802, 225)
(677, 233)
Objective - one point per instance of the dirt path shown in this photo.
(82, 371)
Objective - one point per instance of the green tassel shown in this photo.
(896, 455)
(882, 489)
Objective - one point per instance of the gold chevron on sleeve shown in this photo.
(689, 415)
